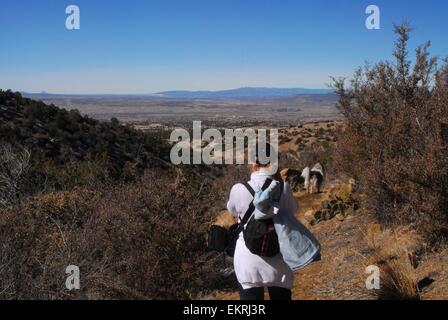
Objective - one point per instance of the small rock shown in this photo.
(340, 217)
(309, 215)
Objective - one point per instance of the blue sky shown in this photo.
(146, 46)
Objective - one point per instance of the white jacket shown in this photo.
(252, 270)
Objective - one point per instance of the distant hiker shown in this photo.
(297, 246)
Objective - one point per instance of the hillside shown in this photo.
(60, 136)
(98, 195)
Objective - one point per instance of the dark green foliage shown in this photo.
(60, 137)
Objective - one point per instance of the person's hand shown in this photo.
(275, 191)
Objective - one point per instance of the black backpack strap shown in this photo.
(251, 208)
(249, 188)
(266, 184)
(251, 205)
(282, 186)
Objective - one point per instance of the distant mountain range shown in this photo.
(243, 93)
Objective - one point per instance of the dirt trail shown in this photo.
(340, 273)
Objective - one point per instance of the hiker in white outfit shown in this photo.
(297, 246)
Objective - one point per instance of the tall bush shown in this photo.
(394, 141)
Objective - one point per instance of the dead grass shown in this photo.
(397, 279)
(372, 235)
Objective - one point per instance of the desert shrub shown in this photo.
(131, 241)
(318, 153)
(20, 178)
(289, 160)
(93, 172)
(393, 142)
(398, 280)
(321, 132)
(14, 170)
(308, 155)
(232, 175)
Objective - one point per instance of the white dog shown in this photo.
(316, 178)
(306, 178)
(311, 179)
